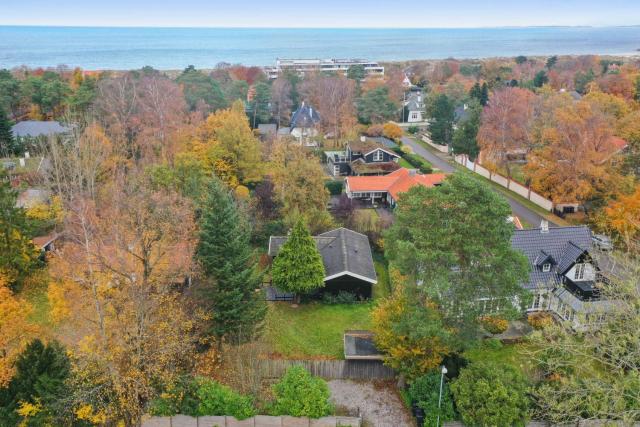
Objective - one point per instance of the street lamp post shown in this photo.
(442, 372)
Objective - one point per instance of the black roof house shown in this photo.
(561, 247)
(305, 117)
(347, 260)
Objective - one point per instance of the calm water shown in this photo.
(175, 48)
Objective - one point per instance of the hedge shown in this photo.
(334, 187)
(418, 162)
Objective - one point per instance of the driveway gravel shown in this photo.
(377, 402)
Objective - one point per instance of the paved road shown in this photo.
(440, 161)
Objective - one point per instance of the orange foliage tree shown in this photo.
(622, 217)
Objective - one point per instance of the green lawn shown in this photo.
(403, 163)
(502, 354)
(313, 330)
(383, 287)
(36, 295)
(31, 164)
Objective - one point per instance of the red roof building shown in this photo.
(387, 188)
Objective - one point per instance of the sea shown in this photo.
(121, 48)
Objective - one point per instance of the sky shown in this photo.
(321, 13)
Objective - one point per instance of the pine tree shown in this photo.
(231, 276)
(484, 94)
(298, 267)
(41, 372)
(7, 143)
(442, 114)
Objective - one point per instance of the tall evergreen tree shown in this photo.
(7, 143)
(465, 136)
(298, 267)
(231, 276)
(442, 115)
(484, 94)
(41, 371)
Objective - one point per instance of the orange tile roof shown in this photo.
(395, 183)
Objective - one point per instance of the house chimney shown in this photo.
(412, 172)
(22, 162)
(544, 226)
(26, 155)
(363, 138)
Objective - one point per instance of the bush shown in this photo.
(425, 391)
(342, 297)
(202, 396)
(418, 162)
(540, 320)
(413, 130)
(494, 324)
(392, 131)
(374, 130)
(491, 394)
(334, 187)
(300, 394)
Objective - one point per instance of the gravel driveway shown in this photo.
(379, 404)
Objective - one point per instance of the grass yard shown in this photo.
(502, 354)
(313, 330)
(403, 163)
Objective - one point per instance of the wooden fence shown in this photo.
(330, 369)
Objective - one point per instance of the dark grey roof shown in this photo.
(343, 252)
(555, 244)
(35, 128)
(570, 254)
(388, 143)
(305, 117)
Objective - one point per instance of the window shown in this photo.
(579, 275)
(546, 267)
(414, 116)
(378, 156)
(336, 170)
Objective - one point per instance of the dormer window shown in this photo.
(579, 275)
(546, 267)
(378, 156)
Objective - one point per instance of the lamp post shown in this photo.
(442, 372)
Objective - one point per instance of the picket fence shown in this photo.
(330, 369)
(523, 191)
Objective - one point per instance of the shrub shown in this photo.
(418, 162)
(413, 130)
(300, 394)
(342, 297)
(540, 320)
(202, 396)
(334, 187)
(425, 391)
(494, 324)
(392, 131)
(491, 394)
(374, 130)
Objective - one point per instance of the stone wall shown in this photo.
(257, 421)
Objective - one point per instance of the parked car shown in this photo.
(602, 242)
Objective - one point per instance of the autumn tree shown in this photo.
(571, 166)
(298, 181)
(126, 258)
(298, 267)
(622, 218)
(333, 96)
(228, 147)
(15, 329)
(410, 331)
(506, 126)
(231, 279)
(424, 242)
(18, 255)
(392, 131)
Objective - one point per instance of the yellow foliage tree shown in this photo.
(392, 131)
(622, 217)
(409, 330)
(227, 145)
(15, 329)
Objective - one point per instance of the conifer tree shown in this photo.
(229, 266)
(298, 267)
(7, 143)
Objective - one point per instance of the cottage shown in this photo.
(347, 259)
(304, 122)
(387, 189)
(564, 273)
(37, 129)
(364, 157)
(414, 107)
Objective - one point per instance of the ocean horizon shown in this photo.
(122, 48)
